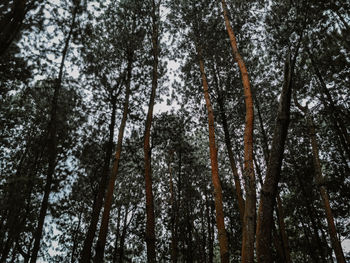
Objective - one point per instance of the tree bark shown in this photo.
(238, 187)
(85, 255)
(150, 220)
(307, 200)
(52, 145)
(75, 237)
(249, 177)
(222, 236)
(101, 242)
(283, 233)
(332, 110)
(279, 208)
(117, 235)
(210, 229)
(174, 245)
(269, 189)
(320, 181)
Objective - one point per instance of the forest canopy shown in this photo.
(174, 131)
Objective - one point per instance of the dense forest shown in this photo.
(174, 131)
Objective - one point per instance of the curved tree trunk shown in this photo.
(222, 235)
(249, 177)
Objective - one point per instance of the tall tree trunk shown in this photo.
(249, 177)
(13, 204)
(210, 229)
(278, 243)
(221, 103)
(52, 145)
(263, 133)
(75, 238)
(282, 227)
(332, 110)
(307, 200)
(320, 181)
(150, 221)
(311, 250)
(178, 198)
(85, 255)
(123, 236)
(174, 245)
(11, 24)
(279, 208)
(101, 242)
(117, 235)
(222, 235)
(269, 189)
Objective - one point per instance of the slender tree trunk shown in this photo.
(101, 242)
(277, 244)
(269, 189)
(307, 200)
(320, 181)
(13, 204)
(174, 245)
(52, 146)
(85, 255)
(325, 199)
(11, 24)
(210, 230)
(150, 221)
(311, 250)
(203, 251)
(282, 227)
(249, 177)
(123, 236)
(222, 236)
(332, 110)
(221, 103)
(178, 201)
(263, 133)
(75, 237)
(117, 235)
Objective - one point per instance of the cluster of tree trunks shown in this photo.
(257, 230)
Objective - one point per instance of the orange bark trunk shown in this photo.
(101, 242)
(214, 166)
(221, 103)
(249, 177)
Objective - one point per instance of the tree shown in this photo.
(249, 177)
(52, 142)
(150, 233)
(320, 182)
